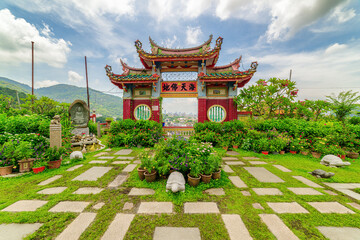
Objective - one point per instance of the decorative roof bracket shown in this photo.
(235, 85)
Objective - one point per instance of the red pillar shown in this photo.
(126, 108)
(232, 110)
(155, 110)
(202, 110)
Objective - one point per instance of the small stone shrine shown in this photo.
(79, 116)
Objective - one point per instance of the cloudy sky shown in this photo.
(318, 39)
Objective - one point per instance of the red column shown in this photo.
(202, 110)
(155, 110)
(232, 110)
(126, 108)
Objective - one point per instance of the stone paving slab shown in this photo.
(129, 168)
(128, 206)
(176, 233)
(123, 152)
(354, 205)
(340, 233)
(257, 162)
(343, 185)
(141, 191)
(307, 182)
(137, 161)
(15, 231)
(330, 207)
(92, 174)
(120, 162)
(230, 158)
(54, 190)
(201, 207)
(77, 227)
(237, 182)
(257, 206)
(11, 175)
(98, 161)
(282, 168)
(69, 206)
(235, 163)
(118, 227)
(304, 191)
(124, 158)
(330, 192)
(88, 190)
(50, 180)
(25, 206)
(235, 227)
(215, 191)
(155, 207)
(74, 167)
(106, 157)
(246, 193)
(101, 154)
(107, 150)
(227, 169)
(278, 227)
(267, 191)
(349, 193)
(287, 207)
(98, 205)
(263, 175)
(232, 153)
(120, 179)
(250, 158)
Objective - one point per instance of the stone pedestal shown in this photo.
(98, 130)
(55, 135)
(81, 131)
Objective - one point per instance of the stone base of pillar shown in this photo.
(55, 135)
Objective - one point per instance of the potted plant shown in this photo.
(207, 170)
(22, 154)
(54, 157)
(39, 165)
(295, 145)
(194, 174)
(148, 165)
(6, 164)
(162, 167)
(215, 161)
(224, 144)
(144, 159)
(264, 145)
(318, 148)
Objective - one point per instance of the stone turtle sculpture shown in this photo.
(333, 161)
(321, 173)
(175, 182)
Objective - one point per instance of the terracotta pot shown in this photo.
(216, 175)
(38, 169)
(205, 178)
(235, 147)
(225, 148)
(292, 152)
(316, 154)
(150, 177)
(6, 170)
(352, 155)
(282, 152)
(265, 152)
(304, 153)
(25, 165)
(342, 156)
(54, 164)
(193, 181)
(141, 172)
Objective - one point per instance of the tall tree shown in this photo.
(343, 104)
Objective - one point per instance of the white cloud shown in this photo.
(169, 42)
(193, 35)
(46, 83)
(317, 73)
(16, 35)
(74, 77)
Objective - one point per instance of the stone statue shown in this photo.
(55, 120)
(79, 114)
(175, 182)
(333, 161)
(321, 173)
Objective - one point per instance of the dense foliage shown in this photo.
(133, 133)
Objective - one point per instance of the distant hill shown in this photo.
(12, 93)
(104, 104)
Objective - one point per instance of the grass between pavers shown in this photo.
(211, 226)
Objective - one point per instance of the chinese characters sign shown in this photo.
(179, 87)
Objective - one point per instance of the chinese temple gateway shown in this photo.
(213, 86)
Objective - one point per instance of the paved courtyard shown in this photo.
(260, 194)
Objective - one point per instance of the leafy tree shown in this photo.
(268, 97)
(45, 106)
(343, 104)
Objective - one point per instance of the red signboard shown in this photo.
(178, 87)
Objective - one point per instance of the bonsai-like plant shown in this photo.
(195, 169)
(54, 154)
(146, 162)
